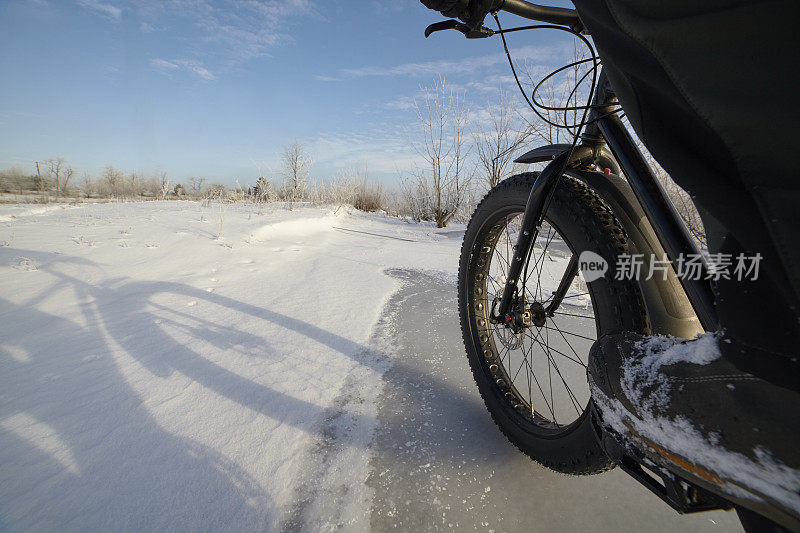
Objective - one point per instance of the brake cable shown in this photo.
(578, 127)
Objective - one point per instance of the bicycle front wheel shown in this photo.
(533, 378)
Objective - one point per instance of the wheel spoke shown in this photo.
(549, 372)
(538, 385)
(500, 263)
(577, 295)
(527, 356)
(528, 375)
(497, 287)
(521, 363)
(507, 269)
(571, 314)
(566, 297)
(539, 265)
(564, 284)
(500, 355)
(565, 332)
(575, 402)
(559, 352)
(565, 340)
(508, 252)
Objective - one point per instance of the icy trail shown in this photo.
(168, 365)
(440, 464)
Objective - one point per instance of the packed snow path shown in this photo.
(180, 366)
(440, 463)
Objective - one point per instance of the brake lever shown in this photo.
(451, 24)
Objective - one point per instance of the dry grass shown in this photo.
(369, 197)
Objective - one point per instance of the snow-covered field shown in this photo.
(155, 374)
(170, 365)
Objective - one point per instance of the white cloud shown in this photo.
(320, 77)
(106, 10)
(492, 84)
(164, 64)
(201, 71)
(245, 29)
(379, 151)
(189, 65)
(541, 54)
(402, 103)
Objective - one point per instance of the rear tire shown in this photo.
(578, 220)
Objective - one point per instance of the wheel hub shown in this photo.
(521, 316)
(539, 314)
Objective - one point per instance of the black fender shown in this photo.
(668, 306)
(582, 155)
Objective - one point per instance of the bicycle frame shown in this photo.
(669, 234)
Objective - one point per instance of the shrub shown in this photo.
(369, 197)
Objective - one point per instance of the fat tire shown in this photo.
(586, 223)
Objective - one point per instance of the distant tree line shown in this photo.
(461, 154)
(54, 180)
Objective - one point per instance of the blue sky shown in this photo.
(215, 89)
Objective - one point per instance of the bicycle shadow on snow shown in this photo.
(103, 459)
(90, 454)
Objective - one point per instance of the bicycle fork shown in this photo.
(541, 193)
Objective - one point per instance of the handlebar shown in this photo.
(474, 29)
(552, 15)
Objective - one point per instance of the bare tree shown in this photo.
(134, 186)
(440, 140)
(112, 180)
(296, 167)
(196, 186)
(262, 191)
(217, 193)
(39, 181)
(68, 172)
(498, 137)
(87, 186)
(164, 186)
(59, 172)
(568, 89)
